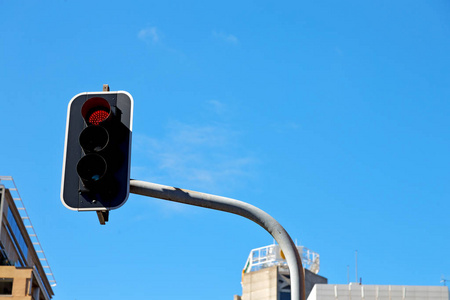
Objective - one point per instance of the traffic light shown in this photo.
(96, 167)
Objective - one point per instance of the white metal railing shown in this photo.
(272, 255)
(9, 183)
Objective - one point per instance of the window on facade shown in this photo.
(3, 258)
(17, 234)
(285, 296)
(6, 285)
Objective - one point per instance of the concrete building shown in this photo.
(355, 291)
(266, 277)
(273, 283)
(24, 271)
(266, 274)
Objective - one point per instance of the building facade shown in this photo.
(274, 283)
(266, 273)
(24, 272)
(266, 277)
(357, 291)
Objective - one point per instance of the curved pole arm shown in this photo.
(235, 207)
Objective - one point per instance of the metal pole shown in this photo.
(235, 207)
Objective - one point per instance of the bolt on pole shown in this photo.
(239, 208)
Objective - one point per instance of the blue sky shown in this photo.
(333, 117)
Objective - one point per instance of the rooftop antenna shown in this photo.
(348, 274)
(443, 280)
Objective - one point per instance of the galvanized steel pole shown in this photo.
(235, 207)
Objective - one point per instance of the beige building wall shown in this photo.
(21, 285)
(273, 283)
(260, 285)
(377, 292)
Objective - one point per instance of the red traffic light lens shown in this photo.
(98, 116)
(95, 111)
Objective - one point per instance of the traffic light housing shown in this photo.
(96, 167)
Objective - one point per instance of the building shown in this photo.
(24, 271)
(357, 291)
(266, 274)
(266, 277)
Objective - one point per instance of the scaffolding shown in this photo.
(9, 183)
(272, 255)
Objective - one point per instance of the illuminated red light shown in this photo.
(96, 110)
(97, 117)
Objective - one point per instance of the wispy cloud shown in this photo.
(150, 35)
(206, 157)
(217, 107)
(226, 37)
(338, 51)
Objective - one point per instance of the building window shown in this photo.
(285, 295)
(6, 286)
(17, 234)
(4, 258)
